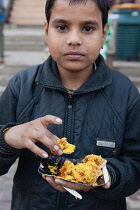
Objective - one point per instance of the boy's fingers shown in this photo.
(47, 141)
(35, 149)
(72, 185)
(53, 184)
(49, 119)
(107, 185)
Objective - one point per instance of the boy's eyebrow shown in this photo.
(91, 22)
(59, 21)
(87, 22)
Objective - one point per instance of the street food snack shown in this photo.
(87, 171)
(66, 147)
(97, 159)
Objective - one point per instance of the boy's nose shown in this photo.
(74, 39)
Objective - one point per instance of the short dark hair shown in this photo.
(102, 4)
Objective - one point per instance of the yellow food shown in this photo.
(53, 169)
(97, 159)
(66, 147)
(86, 172)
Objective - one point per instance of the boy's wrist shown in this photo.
(4, 147)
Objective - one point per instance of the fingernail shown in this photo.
(57, 181)
(45, 155)
(60, 152)
(56, 148)
(58, 120)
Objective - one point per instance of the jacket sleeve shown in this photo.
(125, 169)
(8, 104)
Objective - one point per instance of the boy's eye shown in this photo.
(87, 29)
(62, 28)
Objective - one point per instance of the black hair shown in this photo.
(102, 4)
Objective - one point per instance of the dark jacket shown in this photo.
(102, 118)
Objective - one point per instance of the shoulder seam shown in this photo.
(32, 101)
(112, 107)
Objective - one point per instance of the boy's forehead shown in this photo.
(77, 9)
(73, 2)
(70, 3)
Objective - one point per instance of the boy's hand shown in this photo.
(27, 134)
(59, 183)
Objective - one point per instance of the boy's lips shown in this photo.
(74, 54)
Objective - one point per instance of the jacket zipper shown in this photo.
(63, 197)
(69, 124)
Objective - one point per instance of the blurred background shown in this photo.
(22, 45)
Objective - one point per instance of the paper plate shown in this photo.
(56, 162)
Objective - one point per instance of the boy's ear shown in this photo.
(46, 31)
(105, 31)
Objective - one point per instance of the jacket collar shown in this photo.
(48, 76)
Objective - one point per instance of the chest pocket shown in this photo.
(105, 147)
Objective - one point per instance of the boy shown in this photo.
(76, 95)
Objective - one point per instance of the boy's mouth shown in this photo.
(74, 54)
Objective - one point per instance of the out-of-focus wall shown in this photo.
(6, 2)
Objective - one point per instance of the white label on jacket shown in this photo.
(105, 144)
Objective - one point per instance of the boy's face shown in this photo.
(75, 34)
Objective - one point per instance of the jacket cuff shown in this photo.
(114, 174)
(4, 147)
(117, 174)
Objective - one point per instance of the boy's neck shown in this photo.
(72, 80)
